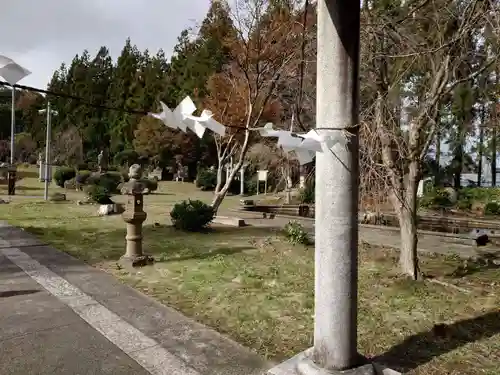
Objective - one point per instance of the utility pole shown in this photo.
(12, 72)
(47, 154)
(48, 163)
(12, 125)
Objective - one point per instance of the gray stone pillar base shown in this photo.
(138, 261)
(307, 367)
(301, 364)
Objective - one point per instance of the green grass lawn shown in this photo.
(250, 284)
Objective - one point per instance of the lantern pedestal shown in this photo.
(134, 216)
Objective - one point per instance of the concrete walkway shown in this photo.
(59, 316)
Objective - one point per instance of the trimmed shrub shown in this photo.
(128, 157)
(250, 187)
(109, 181)
(436, 198)
(206, 179)
(98, 194)
(296, 234)
(467, 197)
(64, 174)
(492, 208)
(191, 215)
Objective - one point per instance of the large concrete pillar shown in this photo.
(336, 222)
(337, 175)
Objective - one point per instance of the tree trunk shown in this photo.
(220, 193)
(459, 160)
(404, 193)
(494, 137)
(437, 177)
(219, 176)
(480, 147)
(216, 202)
(494, 157)
(407, 215)
(408, 259)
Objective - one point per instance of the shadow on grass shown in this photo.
(165, 243)
(29, 188)
(211, 254)
(421, 348)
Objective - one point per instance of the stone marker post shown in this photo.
(134, 216)
(40, 166)
(242, 179)
(11, 179)
(302, 177)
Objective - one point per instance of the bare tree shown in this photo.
(264, 49)
(419, 46)
(68, 147)
(282, 166)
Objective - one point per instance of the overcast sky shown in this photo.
(41, 34)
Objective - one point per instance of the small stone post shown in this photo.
(40, 167)
(228, 171)
(302, 177)
(11, 179)
(134, 216)
(242, 179)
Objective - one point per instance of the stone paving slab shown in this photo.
(75, 349)
(41, 335)
(143, 328)
(25, 306)
(27, 313)
(200, 347)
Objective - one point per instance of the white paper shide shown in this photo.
(11, 71)
(304, 145)
(182, 118)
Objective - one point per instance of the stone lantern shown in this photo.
(134, 216)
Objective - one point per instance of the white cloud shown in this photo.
(40, 35)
